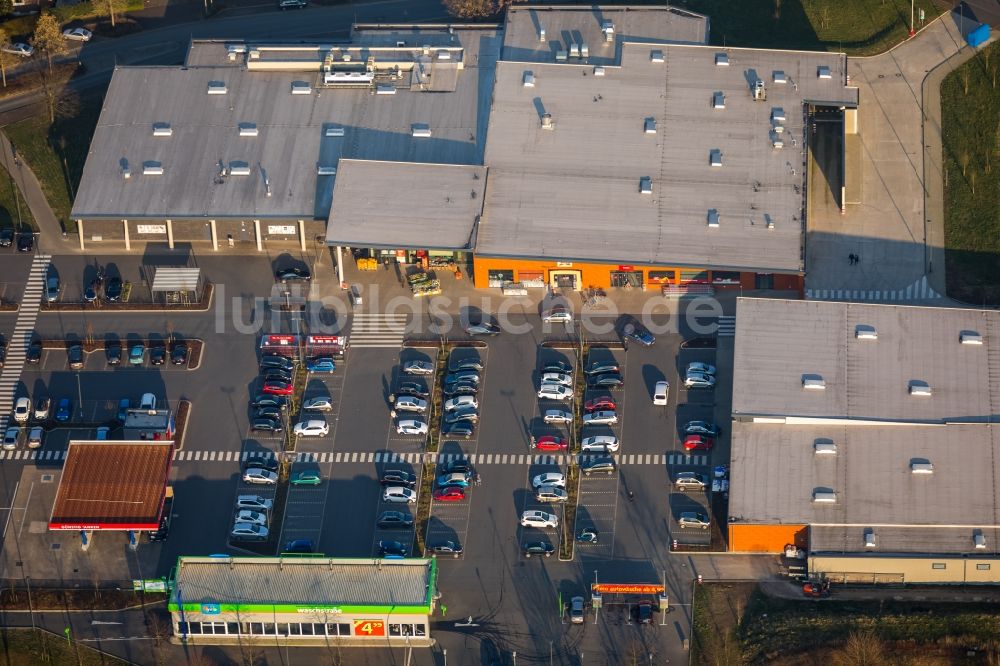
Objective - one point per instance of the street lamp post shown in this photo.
(912, 30)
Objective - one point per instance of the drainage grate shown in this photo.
(47, 478)
(55, 546)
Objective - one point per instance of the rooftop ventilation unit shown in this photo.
(825, 447)
(608, 28)
(239, 169)
(650, 126)
(248, 129)
(768, 222)
(547, 122)
(823, 72)
(776, 140)
(598, 71)
(561, 56)
(778, 115)
(870, 539)
(722, 60)
(574, 50)
(715, 157)
(420, 131)
(217, 88)
(152, 169)
(385, 89)
(656, 56)
(334, 130)
(444, 55)
(322, 170)
(718, 100)
(824, 497)
(645, 185)
(400, 44)
(979, 541)
(254, 54)
(779, 129)
(759, 92)
(529, 80)
(920, 389)
(541, 35)
(162, 129)
(921, 467)
(813, 383)
(865, 332)
(301, 88)
(713, 218)
(779, 77)
(970, 338)
(126, 171)
(584, 51)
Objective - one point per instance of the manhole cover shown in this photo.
(47, 478)
(55, 546)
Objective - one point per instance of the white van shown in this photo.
(661, 392)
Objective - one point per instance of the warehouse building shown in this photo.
(302, 600)
(866, 434)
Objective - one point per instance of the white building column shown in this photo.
(170, 234)
(340, 266)
(302, 235)
(79, 231)
(215, 236)
(128, 243)
(256, 235)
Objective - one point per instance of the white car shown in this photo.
(252, 517)
(411, 427)
(556, 315)
(35, 438)
(700, 368)
(599, 444)
(22, 409)
(248, 532)
(557, 416)
(550, 494)
(318, 404)
(21, 49)
(555, 392)
(254, 502)
(399, 495)
(418, 368)
(312, 428)
(537, 518)
(258, 475)
(148, 402)
(606, 417)
(695, 380)
(460, 402)
(660, 393)
(78, 34)
(549, 479)
(408, 403)
(557, 378)
(10, 438)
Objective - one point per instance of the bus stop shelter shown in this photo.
(176, 285)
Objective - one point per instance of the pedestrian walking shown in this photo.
(479, 479)
(857, 258)
(444, 610)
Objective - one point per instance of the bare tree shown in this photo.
(471, 8)
(862, 648)
(972, 181)
(777, 9)
(4, 56)
(59, 101)
(963, 160)
(48, 37)
(966, 76)
(111, 9)
(825, 17)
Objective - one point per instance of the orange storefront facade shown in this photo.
(497, 272)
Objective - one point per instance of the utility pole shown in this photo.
(912, 29)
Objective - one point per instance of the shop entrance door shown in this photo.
(626, 279)
(565, 280)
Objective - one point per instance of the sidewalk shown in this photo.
(50, 238)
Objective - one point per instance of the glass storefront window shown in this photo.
(725, 277)
(700, 277)
(256, 628)
(270, 628)
(232, 627)
(660, 277)
(345, 629)
(419, 630)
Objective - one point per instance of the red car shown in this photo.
(603, 403)
(698, 443)
(550, 443)
(277, 388)
(449, 494)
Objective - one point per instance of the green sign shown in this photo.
(149, 585)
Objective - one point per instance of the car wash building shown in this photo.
(304, 600)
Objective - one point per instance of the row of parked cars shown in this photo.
(399, 487)
(460, 411)
(159, 353)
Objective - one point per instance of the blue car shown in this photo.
(321, 364)
(639, 334)
(137, 354)
(63, 412)
(123, 407)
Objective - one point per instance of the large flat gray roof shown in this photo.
(579, 24)
(780, 341)
(396, 204)
(776, 471)
(574, 191)
(291, 142)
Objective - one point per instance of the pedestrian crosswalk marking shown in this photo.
(377, 330)
(27, 315)
(921, 290)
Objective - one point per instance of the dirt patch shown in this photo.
(74, 599)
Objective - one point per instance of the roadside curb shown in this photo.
(179, 440)
(116, 308)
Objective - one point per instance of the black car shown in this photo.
(288, 274)
(462, 429)
(452, 548)
(113, 290)
(34, 354)
(75, 356)
(267, 400)
(398, 477)
(391, 549)
(90, 293)
(299, 546)
(460, 466)
(542, 548)
(462, 377)
(269, 463)
(276, 375)
(3, 352)
(644, 612)
(113, 350)
(468, 363)
(157, 354)
(25, 242)
(601, 367)
(463, 388)
(557, 366)
(394, 520)
(6, 237)
(416, 389)
(266, 425)
(483, 328)
(607, 379)
(638, 332)
(268, 412)
(179, 353)
(275, 361)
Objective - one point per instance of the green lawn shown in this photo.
(13, 211)
(859, 27)
(56, 152)
(970, 119)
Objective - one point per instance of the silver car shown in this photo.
(418, 368)
(557, 416)
(460, 402)
(399, 495)
(696, 380)
(252, 517)
(249, 532)
(557, 378)
(606, 417)
(555, 392)
(690, 481)
(407, 403)
(556, 479)
(258, 475)
(599, 444)
(693, 519)
(318, 404)
(550, 494)
(557, 314)
(254, 502)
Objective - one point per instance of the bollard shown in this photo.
(700, 579)
(674, 546)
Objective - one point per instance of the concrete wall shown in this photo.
(917, 569)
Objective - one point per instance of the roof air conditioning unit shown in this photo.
(813, 383)
(547, 122)
(420, 131)
(922, 390)
(301, 88)
(162, 129)
(325, 170)
(865, 332)
(574, 50)
(979, 541)
(152, 169)
(217, 88)
(823, 72)
(561, 56)
(248, 129)
(715, 157)
(870, 539)
(650, 126)
(777, 141)
(385, 89)
(334, 130)
(825, 447)
(645, 185)
(444, 55)
(656, 56)
(921, 468)
(722, 60)
(713, 218)
(608, 28)
(584, 51)
(824, 496)
(779, 76)
(529, 80)
(971, 338)
(126, 171)
(598, 71)
(778, 115)
(718, 100)
(541, 36)
(768, 222)
(239, 169)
